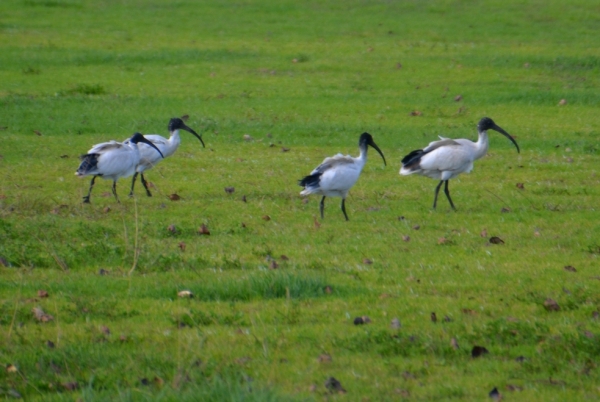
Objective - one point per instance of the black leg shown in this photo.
(322, 206)
(448, 195)
(437, 190)
(145, 183)
(114, 190)
(86, 199)
(133, 183)
(344, 208)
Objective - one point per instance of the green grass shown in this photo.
(308, 76)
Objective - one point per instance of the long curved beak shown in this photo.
(372, 143)
(189, 130)
(145, 141)
(507, 135)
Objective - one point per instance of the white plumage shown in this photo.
(337, 174)
(445, 159)
(149, 158)
(111, 161)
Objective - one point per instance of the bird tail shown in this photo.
(410, 163)
(89, 163)
(310, 183)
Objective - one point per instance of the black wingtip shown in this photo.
(88, 163)
(310, 181)
(412, 157)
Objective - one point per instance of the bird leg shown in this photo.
(344, 208)
(114, 190)
(448, 195)
(86, 199)
(133, 183)
(145, 183)
(322, 206)
(437, 190)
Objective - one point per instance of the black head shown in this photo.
(138, 137)
(367, 139)
(488, 124)
(177, 124)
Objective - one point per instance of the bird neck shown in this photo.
(482, 144)
(362, 158)
(174, 140)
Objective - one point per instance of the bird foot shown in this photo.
(86, 200)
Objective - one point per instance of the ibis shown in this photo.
(447, 158)
(149, 158)
(337, 174)
(111, 161)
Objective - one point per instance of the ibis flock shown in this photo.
(442, 160)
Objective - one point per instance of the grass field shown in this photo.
(88, 293)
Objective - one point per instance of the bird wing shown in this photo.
(105, 147)
(148, 155)
(452, 157)
(156, 139)
(438, 144)
(330, 162)
(340, 176)
(119, 161)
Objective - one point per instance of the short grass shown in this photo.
(308, 77)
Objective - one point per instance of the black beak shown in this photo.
(507, 135)
(189, 130)
(372, 143)
(137, 137)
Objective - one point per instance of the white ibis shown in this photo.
(112, 160)
(445, 159)
(336, 175)
(149, 158)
